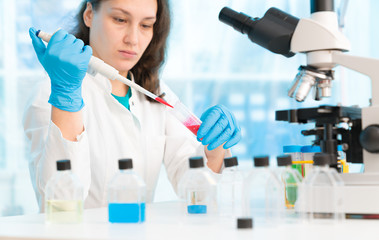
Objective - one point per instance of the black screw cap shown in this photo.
(261, 161)
(196, 162)
(230, 162)
(284, 160)
(126, 163)
(244, 223)
(63, 165)
(321, 159)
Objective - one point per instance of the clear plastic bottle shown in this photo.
(126, 195)
(263, 195)
(198, 188)
(321, 196)
(230, 189)
(290, 179)
(64, 196)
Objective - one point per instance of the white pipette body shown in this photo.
(97, 65)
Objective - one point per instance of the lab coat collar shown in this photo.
(134, 101)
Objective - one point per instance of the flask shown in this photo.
(198, 188)
(322, 191)
(64, 196)
(126, 195)
(263, 197)
(290, 180)
(230, 189)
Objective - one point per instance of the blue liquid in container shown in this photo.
(197, 209)
(126, 212)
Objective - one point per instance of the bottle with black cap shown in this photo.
(290, 180)
(64, 196)
(197, 188)
(229, 189)
(126, 195)
(321, 192)
(263, 194)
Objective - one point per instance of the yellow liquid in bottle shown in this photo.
(64, 211)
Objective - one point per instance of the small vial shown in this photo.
(186, 117)
(263, 194)
(198, 188)
(64, 196)
(321, 193)
(126, 195)
(230, 189)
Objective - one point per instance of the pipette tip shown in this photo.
(163, 101)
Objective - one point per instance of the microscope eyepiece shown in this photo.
(239, 21)
(273, 31)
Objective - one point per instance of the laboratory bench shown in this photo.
(166, 220)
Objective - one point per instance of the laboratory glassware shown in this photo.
(186, 117)
(262, 194)
(321, 195)
(126, 195)
(290, 180)
(64, 196)
(198, 188)
(229, 189)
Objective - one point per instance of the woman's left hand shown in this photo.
(219, 126)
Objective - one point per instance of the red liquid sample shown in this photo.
(192, 126)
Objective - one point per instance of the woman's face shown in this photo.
(121, 30)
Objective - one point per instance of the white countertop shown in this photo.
(167, 221)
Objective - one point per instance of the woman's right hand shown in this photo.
(66, 60)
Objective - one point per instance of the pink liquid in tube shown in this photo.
(186, 117)
(193, 125)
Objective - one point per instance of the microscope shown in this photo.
(325, 47)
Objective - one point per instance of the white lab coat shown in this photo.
(147, 133)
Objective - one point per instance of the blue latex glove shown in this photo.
(219, 126)
(66, 60)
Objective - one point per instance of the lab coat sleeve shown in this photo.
(47, 145)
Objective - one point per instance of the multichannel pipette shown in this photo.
(96, 65)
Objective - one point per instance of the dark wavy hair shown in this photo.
(146, 71)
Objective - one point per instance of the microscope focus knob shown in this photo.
(369, 138)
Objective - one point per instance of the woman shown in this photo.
(89, 120)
